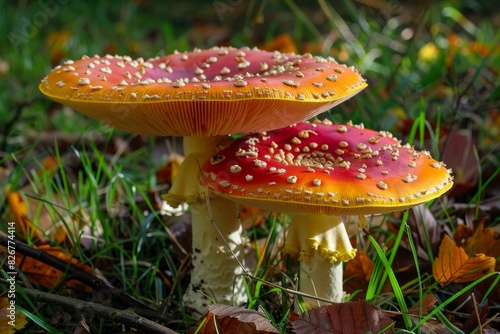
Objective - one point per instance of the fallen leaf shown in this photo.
(420, 310)
(343, 318)
(358, 273)
(229, 319)
(19, 209)
(453, 265)
(423, 306)
(460, 157)
(11, 320)
(462, 235)
(41, 273)
(426, 234)
(168, 171)
(282, 43)
(485, 241)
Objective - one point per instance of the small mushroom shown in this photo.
(203, 95)
(316, 170)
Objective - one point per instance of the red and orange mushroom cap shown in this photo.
(325, 168)
(218, 91)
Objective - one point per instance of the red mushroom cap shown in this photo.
(218, 91)
(324, 168)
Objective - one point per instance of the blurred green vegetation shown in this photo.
(442, 52)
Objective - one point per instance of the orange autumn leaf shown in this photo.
(453, 265)
(485, 240)
(40, 273)
(49, 164)
(19, 210)
(480, 240)
(283, 43)
(167, 173)
(462, 235)
(358, 272)
(11, 319)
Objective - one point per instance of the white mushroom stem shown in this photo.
(322, 244)
(216, 274)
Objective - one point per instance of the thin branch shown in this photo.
(127, 316)
(118, 297)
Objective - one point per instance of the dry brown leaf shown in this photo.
(453, 265)
(229, 319)
(358, 273)
(11, 320)
(485, 241)
(459, 156)
(38, 272)
(424, 306)
(343, 318)
(421, 309)
(462, 235)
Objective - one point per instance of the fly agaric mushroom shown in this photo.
(316, 170)
(204, 95)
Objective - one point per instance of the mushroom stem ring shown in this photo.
(322, 244)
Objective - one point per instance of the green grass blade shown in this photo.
(393, 251)
(417, 267)
(393, 280)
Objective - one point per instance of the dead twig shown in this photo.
(127, 316)
(118, 298)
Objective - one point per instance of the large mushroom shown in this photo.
(204, 95)
(316, 170)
